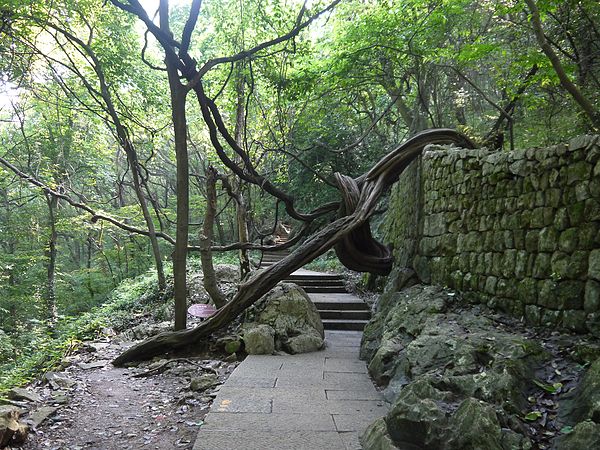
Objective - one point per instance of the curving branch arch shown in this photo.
(349, 233)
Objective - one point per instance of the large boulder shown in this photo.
(448, 371)
(292, 317)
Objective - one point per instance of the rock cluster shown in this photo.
(284, 319)
(518, 231)
(457, 380)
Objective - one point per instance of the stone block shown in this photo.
(574, 320)
(592, 210)
(508, 263)
(532, 241)
(553, 197)
(594, 264)
(550, 318)
(576, 213)
(570, 294)
(434, 224)
(541, 217)
(568, 240)
(561, 219)
(548, 239)
(521, 264)
(527, 291)
(533, 314)
(546, 296)
(591, 302)
(542, 267)
(577, 172)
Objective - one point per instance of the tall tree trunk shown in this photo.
(241, 208)
(589, 109)
(206, 238)
(178, 115)
(51, 253)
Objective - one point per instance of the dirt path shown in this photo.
(106, 408)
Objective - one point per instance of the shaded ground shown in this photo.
(105, 408)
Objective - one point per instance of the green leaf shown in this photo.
(533, 415)
(566, 430)
(551, 388)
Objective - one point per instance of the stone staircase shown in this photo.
(339, 310)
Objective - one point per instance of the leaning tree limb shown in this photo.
(360, 197)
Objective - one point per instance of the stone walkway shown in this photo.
(313, 401)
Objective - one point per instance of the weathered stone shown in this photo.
(417, 418)
(24, 394)
(578, 171)
(11, 431)
(585, 435)
(584, 403)
(259, 340)
(377, 437)
(204, 382)
(574, 320)
(594, 264)
(533, 314)
(568, 240)
(542, 266)
(289, 313)
(474, 425)
(548, 240)
(592, 296)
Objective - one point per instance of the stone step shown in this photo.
(311, 277)
(325, 289)
(303, 283)
(342, 306)
(341, 314)
(333, 324)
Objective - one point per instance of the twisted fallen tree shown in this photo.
(350, 234)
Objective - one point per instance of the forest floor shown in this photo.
(92, 405)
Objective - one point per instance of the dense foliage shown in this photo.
(83, 85)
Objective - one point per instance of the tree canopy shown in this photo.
(115, 116)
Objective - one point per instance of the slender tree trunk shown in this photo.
(206, 238)
(241, 208)
(51, 253)
(589, 109)
(135, 175)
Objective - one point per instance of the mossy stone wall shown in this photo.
(519, 231)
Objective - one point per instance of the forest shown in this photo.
(145, 138)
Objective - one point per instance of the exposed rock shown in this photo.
(39, 415)
(454, 378)
(24, 394)
(227, 273)
(11, 431)
(259, 340)
(203, 382)
(584, 403)
(229, 344)
(586, 435)
(475, 426)
(376, 437)
(292, 316)
(57, 381)
(146, 330)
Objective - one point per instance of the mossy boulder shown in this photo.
(294, 319)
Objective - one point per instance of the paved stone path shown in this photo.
(313, 401)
